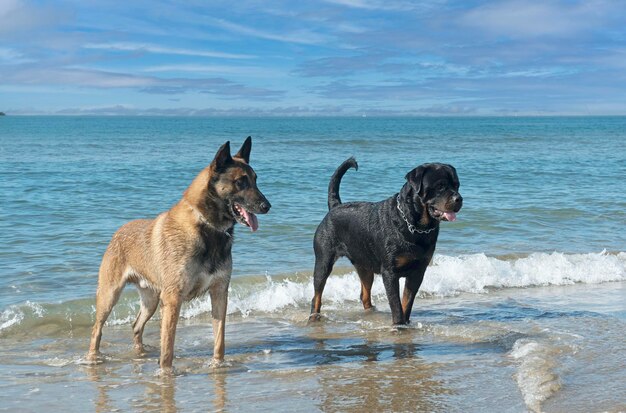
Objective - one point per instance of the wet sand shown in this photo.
(554, 349)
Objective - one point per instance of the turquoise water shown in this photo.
(543, 209)
(529, 184)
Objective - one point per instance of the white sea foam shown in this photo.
(447, 276)
(476, 273)
(10, 317)
(535, 375)
(14, 315)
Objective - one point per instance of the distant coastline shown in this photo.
(309, 115)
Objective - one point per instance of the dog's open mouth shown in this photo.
(442, 215)
(245, 217)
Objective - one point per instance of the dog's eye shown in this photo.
(242, 183)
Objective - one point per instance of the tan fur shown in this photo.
(160, 256)
(367, 279)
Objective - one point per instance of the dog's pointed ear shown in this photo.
(244, 152)
(222, 157)
(415, 178)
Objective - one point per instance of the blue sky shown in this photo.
(334, 57)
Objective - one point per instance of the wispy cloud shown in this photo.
(256, 71)
(306, 37)
(148, 48)
(20, 16)
(71, 77)
(378, 4)
(145, 84)
(281, 111)
(383, 62)
(7, 7)
(343, 65)
(10, 56)
(315, 58)
(533, 19)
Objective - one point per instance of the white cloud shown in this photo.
(376, 4)
(18, 16)
(255, 71)
(9, 55)
(403, 54)
(8, 6)
(89, 78)
(521, 18)
(537, 72)
(148, 48)
(301, 36)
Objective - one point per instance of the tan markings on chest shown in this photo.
(404, 260)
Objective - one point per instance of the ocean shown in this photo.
(522, 309)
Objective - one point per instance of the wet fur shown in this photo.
(181, 254)
(376, 240)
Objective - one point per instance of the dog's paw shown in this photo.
(397, 328)
(167, 372)
(219, 364)
(217, 367)
(223, 366)
(144, 350)
(91, 359)
(314, 317)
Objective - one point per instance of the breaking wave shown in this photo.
(447, 276)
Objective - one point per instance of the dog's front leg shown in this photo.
(219, 303)
(411, 286)
(170, 311)
(392, 288)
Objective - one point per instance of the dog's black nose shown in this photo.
(458, 200)
(264, 207)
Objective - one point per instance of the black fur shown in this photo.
(335, 180)
(376, 239)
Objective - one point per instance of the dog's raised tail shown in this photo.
(335, 180)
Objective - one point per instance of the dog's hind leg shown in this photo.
(323, 266)
(110, 285)
(149, 302)
(367, 279)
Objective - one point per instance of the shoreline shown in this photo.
(535, 342)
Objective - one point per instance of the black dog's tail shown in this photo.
(335, 180)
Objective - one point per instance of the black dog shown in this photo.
(395, 237)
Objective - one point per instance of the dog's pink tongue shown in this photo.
(254, 223)
(251, 219)
(449, 216)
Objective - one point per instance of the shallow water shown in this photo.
(522, 309)
(557, 349)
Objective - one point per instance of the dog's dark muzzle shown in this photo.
(260, 205)
(264, 207)
(457, 202)
(257, 204)
(245, 212)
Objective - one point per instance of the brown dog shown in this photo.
(182, 253)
